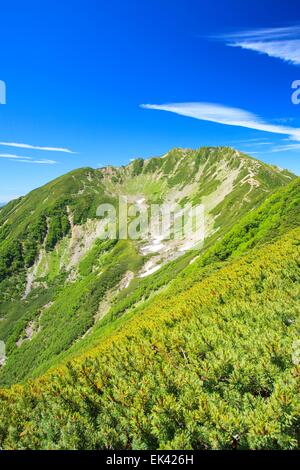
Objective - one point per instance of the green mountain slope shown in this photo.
(209, 366)
(226, 182)
(195, 353)
(274, 218)
(68, 287)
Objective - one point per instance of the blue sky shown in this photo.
(209, 73)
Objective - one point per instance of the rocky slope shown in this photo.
(202, 354)
(59, 282)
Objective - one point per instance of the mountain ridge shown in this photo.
(199, 348)
(65, 293)
(84, 189)
(46, 236)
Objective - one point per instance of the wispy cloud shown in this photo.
(35, 147)
(250, 152)
(262, 33)
(286, 148)
(13, 157)
(226, 115)
(261, 139)
(40, 162)
(257, 144)
(254, 142)
(22, 159)
(282, 43)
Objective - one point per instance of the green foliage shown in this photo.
(137, 166)
(153, 165)
(182, 374)
(274, 217)
(71, 313)
(196, 355)
(41, 217)
(59, 225)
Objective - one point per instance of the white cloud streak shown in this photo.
(35, 147)
(13, 157)
(40, 162)
(281, 43)
(263, 33)
(257, 144)
(259, 141)
(21, 159)
(288, 50)
(287, 148)
(225, 115)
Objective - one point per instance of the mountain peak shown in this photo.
(66, 293)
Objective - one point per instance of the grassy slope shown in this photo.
(60, 326)
(279, 214)
(183, 372)
(41, 216)
(68, 317)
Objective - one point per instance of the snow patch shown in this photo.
(149, 268)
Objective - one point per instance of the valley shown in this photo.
(120, 343)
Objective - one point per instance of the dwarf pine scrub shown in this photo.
(198, 355)
(210, 369)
